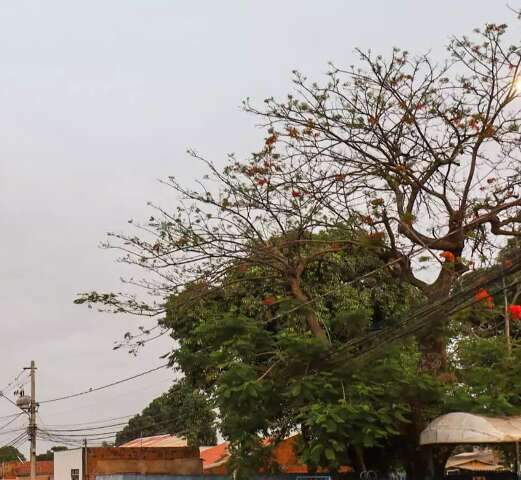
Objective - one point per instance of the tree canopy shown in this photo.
(182, 411)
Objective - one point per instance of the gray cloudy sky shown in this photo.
(99, 99)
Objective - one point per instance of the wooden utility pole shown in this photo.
(32, 420)
(507, 316)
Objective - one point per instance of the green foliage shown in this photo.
(487, 380)
(49, 454)
(11, 454)
(183, 411)
(265, 372)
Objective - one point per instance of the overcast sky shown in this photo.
(99, 99)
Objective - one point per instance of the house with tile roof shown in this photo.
(215, 458)
(22, 470)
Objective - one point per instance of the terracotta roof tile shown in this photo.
(156, 441)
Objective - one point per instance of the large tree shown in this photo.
(414, 161)
(183, 411)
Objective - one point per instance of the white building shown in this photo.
(68, 464)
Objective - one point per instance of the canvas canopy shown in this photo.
(460, 428)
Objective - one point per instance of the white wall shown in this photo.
(65, 461)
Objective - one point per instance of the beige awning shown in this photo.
(469, 428)
(477, 460)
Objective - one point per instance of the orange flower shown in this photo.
(269, 301)
(271, 139)
(293, 132)
(448, 256)
(482, 295)
(515, 311)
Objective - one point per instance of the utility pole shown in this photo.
(84, 458)
(32, 420)
(507, 317)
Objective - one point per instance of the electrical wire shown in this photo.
(97, 389)
(14, 430)
(12, 403)
(114, 432)
(16, 441)
(114, 396)
(78, 439)
(20, 441)
(12, 382)
(91, 422)
(9, 416)
(10, 421)
(86, 429)
(64, 441)
(414, 324)
(50, 428)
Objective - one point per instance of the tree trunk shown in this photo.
(426, 463)
(311, 318)
(419, 466)
(433, 344)
(433, 348)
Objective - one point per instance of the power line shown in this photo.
(23, 429)
(97, 389)
(114, 432)
(20, 440)
(91, 406)
(91, 422)
(9, 416)
(11, 421)
(49, 427)
(11, 402)
(12, 382)
(64, 441)
(86, 429)
(16, 441)
(415, 323)
(64, 437)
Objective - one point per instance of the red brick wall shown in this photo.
(151, 460)
(22, 469)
